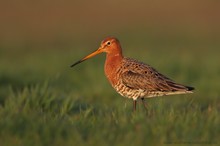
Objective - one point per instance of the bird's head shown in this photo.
(110, 45)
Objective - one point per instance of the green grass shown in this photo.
(44, 102)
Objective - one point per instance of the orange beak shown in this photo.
(100, 50)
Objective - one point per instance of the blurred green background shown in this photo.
(45, 102)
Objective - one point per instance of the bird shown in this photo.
(134, 79)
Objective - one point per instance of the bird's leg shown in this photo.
(134, 105)
(144, 104)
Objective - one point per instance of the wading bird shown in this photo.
(134, 79)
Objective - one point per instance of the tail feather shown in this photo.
(173, 89)
(179, 87)
(190, 88)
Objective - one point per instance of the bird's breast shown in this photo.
(111, 72)
(113, 65)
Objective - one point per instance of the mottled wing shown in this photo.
(138, 75)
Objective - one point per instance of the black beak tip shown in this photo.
(76, 63)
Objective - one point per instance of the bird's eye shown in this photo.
(108, 43)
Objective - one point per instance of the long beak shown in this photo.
(100, 50)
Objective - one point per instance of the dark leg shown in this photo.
(134, 105)
(144, 104)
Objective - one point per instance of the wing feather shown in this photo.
(138, 75)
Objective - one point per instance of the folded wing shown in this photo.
(138, 75)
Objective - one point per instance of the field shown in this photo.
(45, 102)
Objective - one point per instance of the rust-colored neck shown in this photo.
(112, 63)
